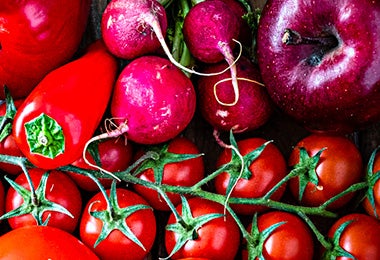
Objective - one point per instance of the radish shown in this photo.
(131, 29)
(154, 99)
(210, 30)
(253, 108)
(127, 27)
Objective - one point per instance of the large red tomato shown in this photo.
(42, 242)
(266, 171)
(37, 36)
(340, 165)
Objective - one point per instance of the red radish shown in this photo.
(126, 27)
(154, 99)
(253, 108)
(210, 30)
(131, 29)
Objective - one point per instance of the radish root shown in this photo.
(236, 90)
(110, 133)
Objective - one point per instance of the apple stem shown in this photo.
(292, 37)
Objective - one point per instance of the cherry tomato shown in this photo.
(340, 165)
(43, 242)
(360, 238)
(63, 111)
(218, 238)
(59, 189)
(376, 192)
(182, 173)
(291, 240)
(8, 146)
(114, 156)
(267, 170)
(116, 245)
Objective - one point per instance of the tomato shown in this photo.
(376, 191)
(340, 166)
(291, 240)
(114, 156)
(218, 238)
(42, 242)
(8, 146)
(59, 189)
(2, 198)
(63, 111)
(116, 245)
(36, 37)
(360, 238)
(178, 173)
(267, 170)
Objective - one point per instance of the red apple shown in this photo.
(320, 61)
(37, 36)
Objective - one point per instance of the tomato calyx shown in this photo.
(157, 157)
(371, 178)
(256, 239)
(187, 226)
(7, 120)
(45, 136)
(114, 217)
(35, 202)
(335, 250)
(305, 169)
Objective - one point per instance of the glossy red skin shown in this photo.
(131, 36)
(87, 84)
(8, 146)
(332, 96)
(217, 239)
(376, 192)
(168, 91)
(360, 238)
(253, 108)
(267, 170)
(340, 166)
(115, 156)
(290, 241)
(42, 242)
(117, 246)
(204, 31)
(60, 189)
(185, 173)
(38, 36)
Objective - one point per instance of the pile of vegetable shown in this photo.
(184, 129)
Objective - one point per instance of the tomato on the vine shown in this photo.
(355, 236)
(113, 156)
(374, 209)
(172, 169)
(204, 231)
(289, 238)
(8, 145)
(336, 165)
(266, 171)
(58, 191)
(127, 231)
(43, 242)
